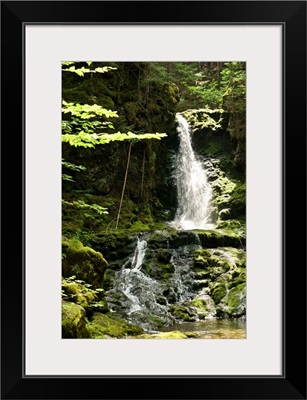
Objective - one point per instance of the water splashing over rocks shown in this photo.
(194, 192)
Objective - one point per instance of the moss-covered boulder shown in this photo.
(237, 300)
(234, 303)
(202, 306)
(78, 293)
(173, 239)
(103, 326)
(216, 261)
(183, 313)
(83, 262)
(163, 335)
(116, 246)
(218, 291)
(219, 238)
(157, 264)
(74, 323)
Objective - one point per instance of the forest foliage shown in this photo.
(132, 101)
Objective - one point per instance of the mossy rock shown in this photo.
(159, 239)
(74, 323)
(99, 306)
(163, 335)
(182, 313)
(170, 238)
(156, 265)
(116, 246)
(201, 259)
(200, 274)
(218, 291)
(219, 238)
(83, 262)
(238, 201)
(139, 226)
(236, 300)
(200, 283)
(102, 326)
(201, 306)
(234, 304)
(173, 92)
(164, 256)
(231, 224)
(238, 277)
(156, 321)
(78, 293)
(116, 300)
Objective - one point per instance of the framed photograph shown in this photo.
(160, 194)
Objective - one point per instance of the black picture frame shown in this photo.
(292, 383)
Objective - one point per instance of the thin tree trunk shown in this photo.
(124, 185)
(143, 173)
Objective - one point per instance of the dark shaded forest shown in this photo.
(127, 270)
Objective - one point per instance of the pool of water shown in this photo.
(214, 328)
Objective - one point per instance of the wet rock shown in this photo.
(103, 326)
(74, 323)
(83, 262)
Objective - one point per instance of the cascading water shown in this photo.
(131, 281)
(140, 290)
(156, 292)
(141, 295)
(139, 254)
(193, 189)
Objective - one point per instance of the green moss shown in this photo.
(173, 92)
(101, 325)
(156, 321)
(163, 335)
(201, 304)
(158, 270)
(218, 291)
(74, 323)
(219, 238)
(182, 313)
(238, 277)
(138, 226)
(238, 201)
(193, 335)
(84, 263)
(202, 258)
(235, 294)
(200, 274)
(78, 293)
(236, 300)
(166, 275)
(100, 306)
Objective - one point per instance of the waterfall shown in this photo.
(193, 189)
(140, 290)
(154, 292)
(132, 282)
(141, 294)
(139, 254)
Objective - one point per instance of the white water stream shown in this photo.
(142, 292)
(194, 192)
(141, 295)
